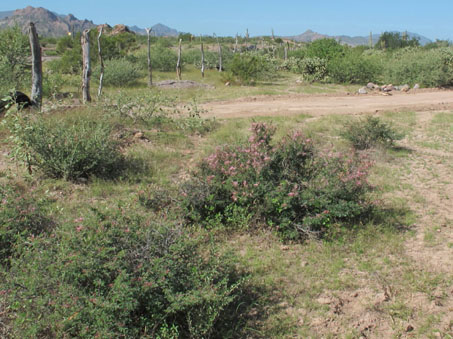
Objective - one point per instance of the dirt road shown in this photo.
(318, 105)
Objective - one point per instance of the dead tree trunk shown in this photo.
(247, 39)
(220, 56)
(202, 61)
(150, 68)
(86, 69)
(36, 87)
(236, 44)
(286, 51)
(101, 61)
(178, 64)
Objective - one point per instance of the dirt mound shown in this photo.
(181, 84)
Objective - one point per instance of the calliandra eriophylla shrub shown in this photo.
(118, 275)
(290, 186)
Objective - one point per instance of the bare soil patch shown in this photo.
(319, 105)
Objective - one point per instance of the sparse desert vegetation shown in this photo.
(151, 213)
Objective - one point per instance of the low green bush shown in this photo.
(116, 274)
(370, 132)
(65, 149)
(429, 68)
(354, 68)
(249, 68)
(119, 72)
(22, 216)
(311, 69)
(290, 186)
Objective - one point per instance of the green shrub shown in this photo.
(326, 49)
(14, 54)
(370, 132)
(119, 72)
(354, 68)
(249, 68)
(65, 149)
(162, 59)
(429, 68)
(295, 189)
(22, 216)
(312, 69)
(117, 274)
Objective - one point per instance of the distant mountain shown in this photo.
(5, 14)
(52, 24)
(310, 36)
(157, 30)
(47, 23)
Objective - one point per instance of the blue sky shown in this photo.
(433, 19)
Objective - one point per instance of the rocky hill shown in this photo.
(158, 30)
(310, 36)
(51, 24)
(47, 23)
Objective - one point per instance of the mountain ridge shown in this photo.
(51, 24)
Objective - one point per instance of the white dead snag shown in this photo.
(101, 61)
(36, 87)
(286, 51)
(202, 61)
(247, 38)
(86, 67)
(273, 36)
(178, 64)
(236, 44)
(150, 69)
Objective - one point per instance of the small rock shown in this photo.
(371, 85)
(405, 88)
(409, 328)
(298, 81)
(416, 86)
(362, 90)
(138, 135)
(324, 300)
(284, 248)
(227, 83)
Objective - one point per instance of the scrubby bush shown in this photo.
(65, 149)
(14, 53)
(429, 68)
(354, 68)
(119, 72)
(117, 274)
(22, 216)
(311, 69)
(326, 49)
(162, 59)
(370, 132)
(249, 68)
(291, 186)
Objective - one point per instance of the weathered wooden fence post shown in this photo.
(178, 64)
(86, 67)
(286, 50)
(36, 87)
(202, 61)
(101, 61)
(150, 68)
(236, 44)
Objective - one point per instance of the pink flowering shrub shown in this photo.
(289, 186)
